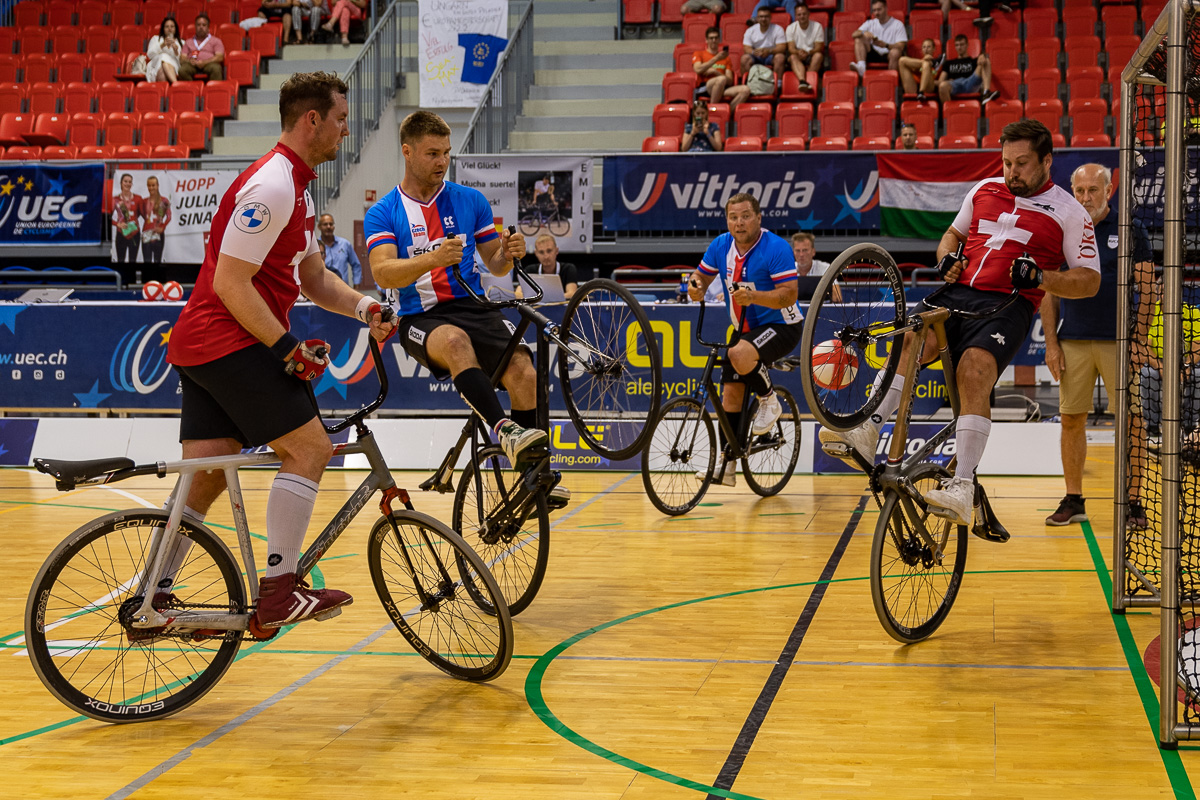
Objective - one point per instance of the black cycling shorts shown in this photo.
(1001, 334)
(488, 329)
(772, 342)
(245, 395)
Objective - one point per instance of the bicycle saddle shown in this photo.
(68, 473)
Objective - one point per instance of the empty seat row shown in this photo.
(30, 13)
(190, 128)
(92, 152)
(97, 39)
(218, 97)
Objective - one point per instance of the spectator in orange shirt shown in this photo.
(926, 67)
(714, 74)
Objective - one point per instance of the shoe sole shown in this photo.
(328, 613)
(1076, 518)
(947, 514)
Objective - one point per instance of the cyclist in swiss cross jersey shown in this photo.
(758, 273)
(415, 234)
(1009, 226)
(238, 360)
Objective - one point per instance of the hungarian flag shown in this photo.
(920, 193)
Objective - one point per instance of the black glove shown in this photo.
(947, 263)
(1025, 272)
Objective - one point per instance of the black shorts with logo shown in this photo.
(488, 329)
(1001, 334)
(772, 342)
(245, 395)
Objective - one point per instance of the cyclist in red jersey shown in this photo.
(1008, 227)
(237, 359)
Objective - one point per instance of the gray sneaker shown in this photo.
(839, 444)
(955, 500)
(769, 412)
(558, 497)
(516, 440)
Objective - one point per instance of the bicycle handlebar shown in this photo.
(516, 301)
(700, 327)
(353, 419)
(944, 266)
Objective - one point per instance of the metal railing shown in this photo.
(504, 98)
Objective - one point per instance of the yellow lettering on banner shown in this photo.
(557, 441)
(667, 346)
(686, 357)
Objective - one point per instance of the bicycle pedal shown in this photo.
(836, 449)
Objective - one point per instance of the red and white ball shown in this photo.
(833, 366)
(172, 290)
(152, 290)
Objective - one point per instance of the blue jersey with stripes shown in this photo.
(415, 228)
(768, 263)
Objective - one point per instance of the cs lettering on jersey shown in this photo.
(252, 218)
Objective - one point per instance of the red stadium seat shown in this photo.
(828, 143)
(677, 87)
(14, 128)
(131, 39)
(97, 151)
(1005, 53)
(1041, 22)
(158, 127)
(23, 153)
(8, 67)
(221, 11)
(836, 120)
(74, 67)
(879, 86)
(791, 86)
(12, 98)
(170, 151)
(106, 67)
(79, 97)
(149, 96)
(121, 128)
(682, 55)
(660, 144)
(66, 39)
(1085, 81)
(953, 142)
(844, 24)
(1091, 140)
(186, 10)
(124, 12)
(37, 68)
(241, 67)
(49, 129)
(733, 29)
(923, 143)
(28, 14)
(134, 151)
(753, 119)
(1119, 20)
(113, 96)
(1047, 112)
(234, 38)
(783, 143)
(42, 98)
(99, 39)
(962, 22)
(1005, 24)
(1001, 112)
(1042, 82)
(85, 129)
(91, 12)
(184, 96)
(878, 120)
(743, 144)
(794, 120)
(1082, 51)
(926, 23)
(266, 39)
(961, 118)
(670, 118)
(220, 97)
(195, 130)
(56, 152)
(1042, 52)
(1087, 114)
(155, 11)
(694, 26)
(719, 113)
(1078, 21)
(33, 40)
(841, 86)
(637, 12)
(8, 40)
(1120, 50)
(248, 8)
(922, 116)
(871, 143)
(1007, 82)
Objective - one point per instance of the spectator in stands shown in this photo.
(343, 12)
(127, 208)
(278, 11)
(879, 40)
(701, 135)
(155, 213)
(340, 257)
(908, 136)
(714, 73)
(545, 247)
(162, 53)
(202, 53)
(770, 5)
(314, 9)
(699, 6)
(805, 45)
(804, 249)
(918, 75)
(966, 75)
(765, 44)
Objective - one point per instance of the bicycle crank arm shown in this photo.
(187, 620)
(917, 519)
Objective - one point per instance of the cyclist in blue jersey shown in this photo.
(415, 234)
(758, 273)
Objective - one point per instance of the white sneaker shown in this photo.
(724, 475)
(863, 440)
(860, 67)
(955, 500)
(516, 440)
(769, 412)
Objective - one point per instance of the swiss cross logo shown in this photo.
(1087, 245)
(1004, 229)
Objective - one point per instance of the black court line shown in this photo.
(758, 713)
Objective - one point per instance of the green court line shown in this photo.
(685, 519)
(709, 505)
(1173, 764)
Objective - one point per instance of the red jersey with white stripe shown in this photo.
(266, 217)
(415, 228)
(1051, 226)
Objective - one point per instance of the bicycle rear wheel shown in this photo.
(611, 370)
(419, 577)
(681, 447)
(513, 543)
(559, 226)
(772, 456)
(84, 597)
(911, 590)
(848, 350)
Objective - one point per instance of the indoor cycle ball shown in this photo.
(152, 290)
(833, 366)
(172, 290)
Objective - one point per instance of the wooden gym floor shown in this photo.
(648, 667)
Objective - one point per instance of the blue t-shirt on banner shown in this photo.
(482, 53)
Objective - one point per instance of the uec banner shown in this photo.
(51, 206)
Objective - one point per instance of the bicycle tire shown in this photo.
(612, 378)
(453, 634)
(878, 290)
(530, 225)
(774, 453)
(559, 226)
(911, 594)
(669, 470)
(515, 552)
(89, 582)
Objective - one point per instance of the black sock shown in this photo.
(735, 421)
(758, 380)
(476, 388)
(525, 418)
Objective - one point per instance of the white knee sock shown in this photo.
(289, 508)
(972, 436)
(890, 402)
(178, 553)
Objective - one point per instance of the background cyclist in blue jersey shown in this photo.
(758, 273)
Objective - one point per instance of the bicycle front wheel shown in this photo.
(560, 226)
(611, 369)
(771, 457)
(512, 539)
(530, 225)
(419, 571)
(850, 350)
(77, 620)
(679, 458)
(912, 588)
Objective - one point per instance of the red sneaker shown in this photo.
(284, 600)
